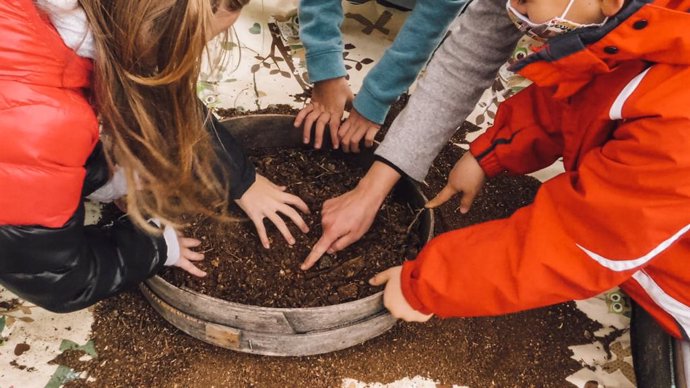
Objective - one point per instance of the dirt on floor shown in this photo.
(136, 347)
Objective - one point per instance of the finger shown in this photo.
(317, 251)
(261, 231)
(342, 243)
(356, 138)
(466, 201)
(297, 202)
(441, 197)
(282, 228)
(334, 125)
(320, 128)
(189, 242)
(369, 137)
(344, 129)
(191, 268)
(191, 255)
(308, 122)
(295, 217)
(302, 114)
(381, 278)
(346, 139)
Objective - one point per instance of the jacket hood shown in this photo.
(644, 30)
(32, 51)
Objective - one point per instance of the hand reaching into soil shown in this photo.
(393, 298)
(347, 217)
(187, 255)
(467, 177)
(264, 199)
(327, 106)
(354, 129)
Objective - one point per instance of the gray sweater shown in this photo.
(481, 40)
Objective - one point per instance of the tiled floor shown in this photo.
(264, 64)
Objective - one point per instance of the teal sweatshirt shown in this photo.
(423, 30)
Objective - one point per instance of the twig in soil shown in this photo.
(415, 219)
(324, 168)
(325, 174)
(311, 275)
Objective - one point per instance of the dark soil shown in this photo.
(9, 305)
(241, 270)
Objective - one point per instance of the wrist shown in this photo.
(379, 181)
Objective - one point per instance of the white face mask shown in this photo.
(547, 30)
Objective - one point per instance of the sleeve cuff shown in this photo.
(237, 189)
(327, 65)
(390, 164)
(407, 285)
(173, 246)
(368, 106)
(171, 242)
(486, 156)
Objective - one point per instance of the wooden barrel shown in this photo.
(281, 331)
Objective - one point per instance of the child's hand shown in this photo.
(264, 199)
(187, 255)
(327, 106)
(467, 177)
(354, 129)
(347, 217)
(393, 298)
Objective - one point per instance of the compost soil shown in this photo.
(241, 270)
(136, 347)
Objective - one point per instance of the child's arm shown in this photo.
(627, 206)
(320, 32)
(320, 22)
(461, 69)
(72, 267)
(399, 66)
(525, 136)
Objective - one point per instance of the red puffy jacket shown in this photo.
(47, 125)
(614, 102)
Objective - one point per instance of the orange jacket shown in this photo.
(614, 102)
(47, 126)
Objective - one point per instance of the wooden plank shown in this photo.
(265, 131)
(221, 311)
(214, 334)
(265, 319)
(317, 343)
(322, 318)
(271, 344)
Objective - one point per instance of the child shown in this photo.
(146, 62)
(611, 100)
(320, 32)
(464, 65)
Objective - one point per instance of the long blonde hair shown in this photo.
(148, 56)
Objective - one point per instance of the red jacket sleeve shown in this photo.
(626, 207)
(523, 138)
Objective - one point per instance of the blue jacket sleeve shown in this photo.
(320, 22)
(412, 48)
